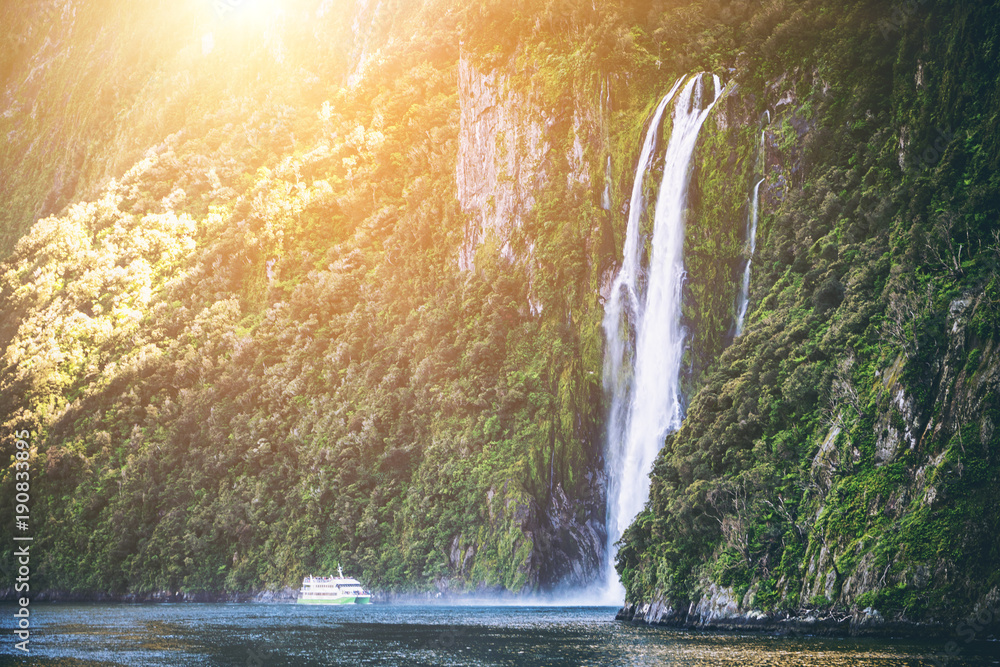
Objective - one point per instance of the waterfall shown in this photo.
(645, 340)
(606, 112)
(606, 195)
(744, 299)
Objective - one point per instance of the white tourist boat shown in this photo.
(333, 590)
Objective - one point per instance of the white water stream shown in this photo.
(744, 300)
(642, 321)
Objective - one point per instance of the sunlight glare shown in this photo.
(259, 12)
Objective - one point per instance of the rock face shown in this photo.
(501, 159)
(720, 611)
(363, 36)
(506, 153)
(573, 537)
(866, 623)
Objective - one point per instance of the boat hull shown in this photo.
(328, 601)
(363, 599)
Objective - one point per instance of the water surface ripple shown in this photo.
(269, 635)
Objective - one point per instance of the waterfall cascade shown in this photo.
(744, 300)
(645, 340)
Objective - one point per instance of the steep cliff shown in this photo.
(256, 352)
(838, 466)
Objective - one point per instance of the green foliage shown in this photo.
(253, 354)
(840, 438)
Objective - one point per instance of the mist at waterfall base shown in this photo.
(642, 323)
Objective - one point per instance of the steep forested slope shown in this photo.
(329, 284)
(253, 354)
(841, 454)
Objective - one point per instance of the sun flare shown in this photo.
(252, 11)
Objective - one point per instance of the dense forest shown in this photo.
(840, 456)
(296, 284)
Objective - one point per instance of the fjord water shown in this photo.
(645, 339)
(273, 635)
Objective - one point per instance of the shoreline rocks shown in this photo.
(701, 616)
